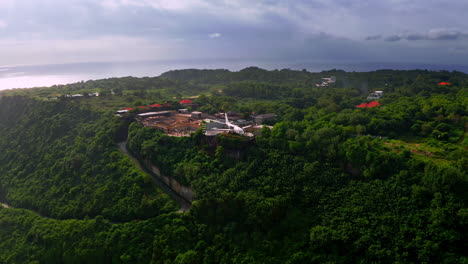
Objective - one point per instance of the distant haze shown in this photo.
(48, 75)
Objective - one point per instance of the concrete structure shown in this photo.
(213, 133)
(234, 116)
(197, 115)
(243, 122)
(211, 124)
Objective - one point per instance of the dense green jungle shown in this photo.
(326, 182)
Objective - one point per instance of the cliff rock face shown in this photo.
(184, 191)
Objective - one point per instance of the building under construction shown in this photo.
(170, 122)
(182, 123)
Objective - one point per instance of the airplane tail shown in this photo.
(227, 121)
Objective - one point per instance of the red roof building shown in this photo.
(156, 106)
(363, 105)
(128, 109)
(141, 107)
(369, 105)
(186, 101)
(373, 104)
(444, 83)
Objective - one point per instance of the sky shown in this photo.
(44, 32)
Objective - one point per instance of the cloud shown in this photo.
(164, 5)
(445, 34)
(4, 4)
(310, 30)
(392, 38)
(415, 36)
(3, 24)
(373, 37)
(214, 35)
(433, 34)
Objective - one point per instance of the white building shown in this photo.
(375, 95)
(327, 81)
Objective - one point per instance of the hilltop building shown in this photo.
(197, 115)
(156, 106)
(368, 105)
(326, 82)
(375, 95)
(182, 122)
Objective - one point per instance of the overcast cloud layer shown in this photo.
(354, 31)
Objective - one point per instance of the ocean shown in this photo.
(48, 75)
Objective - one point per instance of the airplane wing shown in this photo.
(246, 127)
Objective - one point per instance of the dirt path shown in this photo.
(184, 204)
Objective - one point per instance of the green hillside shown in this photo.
(328, 183)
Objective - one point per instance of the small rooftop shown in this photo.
(186, 101)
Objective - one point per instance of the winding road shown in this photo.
(184, 204)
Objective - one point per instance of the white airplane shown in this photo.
(233, 128)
